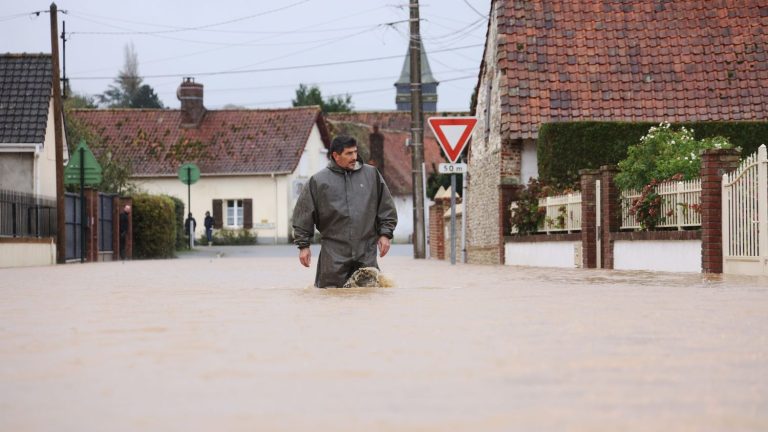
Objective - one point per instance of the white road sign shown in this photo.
(449, 168)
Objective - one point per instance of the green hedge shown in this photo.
(178, 209)
(154, 226)
(565, 148)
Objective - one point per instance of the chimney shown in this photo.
(376, 140)
(190, 94)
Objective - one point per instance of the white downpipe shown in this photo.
(276, 200)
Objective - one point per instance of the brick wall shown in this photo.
(484, 196)
(437, 228)
(610, 212)
(714, 163)
(588, 218)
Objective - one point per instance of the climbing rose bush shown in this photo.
(662, 153)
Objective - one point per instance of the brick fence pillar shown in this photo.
(610, 212)
(437, 226)
(588, 218)
(714, 163)
(91, 219)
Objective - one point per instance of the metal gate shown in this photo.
(745, 216)
(73, 218)
(106, 223)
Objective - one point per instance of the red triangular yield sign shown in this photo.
(452, 133)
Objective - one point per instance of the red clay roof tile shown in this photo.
(635, 60)
(225, 142)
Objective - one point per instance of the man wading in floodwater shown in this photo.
(351, 206)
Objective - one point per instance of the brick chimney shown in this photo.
(190, 94)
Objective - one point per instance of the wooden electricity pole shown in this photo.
(59, 138)
(417, 135)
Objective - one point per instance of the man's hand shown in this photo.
(384, 243)
(305, 256)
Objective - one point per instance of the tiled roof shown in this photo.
(681, 60)
(395, 126)
(25, 94)
(226, 141)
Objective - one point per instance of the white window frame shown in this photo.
(234, 213)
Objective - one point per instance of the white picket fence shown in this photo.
(563, 213)
(680, 201)
(745, 216)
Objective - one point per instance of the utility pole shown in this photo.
(59, 139)
(417, 134)
(64, 59)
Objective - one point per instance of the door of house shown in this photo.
(745, 216)
(73, 218)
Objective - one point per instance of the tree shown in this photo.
(115, 173)
(128, 90)
(306, 96)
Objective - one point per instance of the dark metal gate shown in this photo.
(73, 218)
(106, 223)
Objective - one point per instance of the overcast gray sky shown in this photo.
(255, 53)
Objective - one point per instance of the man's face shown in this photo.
(347, 158)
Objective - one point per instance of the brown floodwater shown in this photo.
(241, 343)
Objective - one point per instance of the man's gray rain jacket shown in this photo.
(351, 209)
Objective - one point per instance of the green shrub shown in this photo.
(178, 210)
(154, 226)
(229, 237)
(527, 216)
(662, 153)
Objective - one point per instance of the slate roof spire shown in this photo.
(428, 81)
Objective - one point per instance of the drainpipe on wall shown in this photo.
(36, 187)
(275, 178)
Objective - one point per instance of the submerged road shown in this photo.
(235, 339)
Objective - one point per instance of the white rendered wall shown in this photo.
(529, 164)
(541, 254)
(27, 254)
(658, 255)
(404, 228)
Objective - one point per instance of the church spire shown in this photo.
(428, 84)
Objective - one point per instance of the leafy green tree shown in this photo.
(662, 153)
(306, 96)
(128, 90)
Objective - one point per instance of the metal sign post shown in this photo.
(453, 134)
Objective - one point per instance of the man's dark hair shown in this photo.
(340, 143)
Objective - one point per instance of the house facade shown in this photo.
(566, 60)
(27, 145)
(253, 163)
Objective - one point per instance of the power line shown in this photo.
(318, 83)
(351, 93)
(202, 27)
(274, 69)
(476, 11)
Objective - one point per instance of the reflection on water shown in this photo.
(245, 344)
